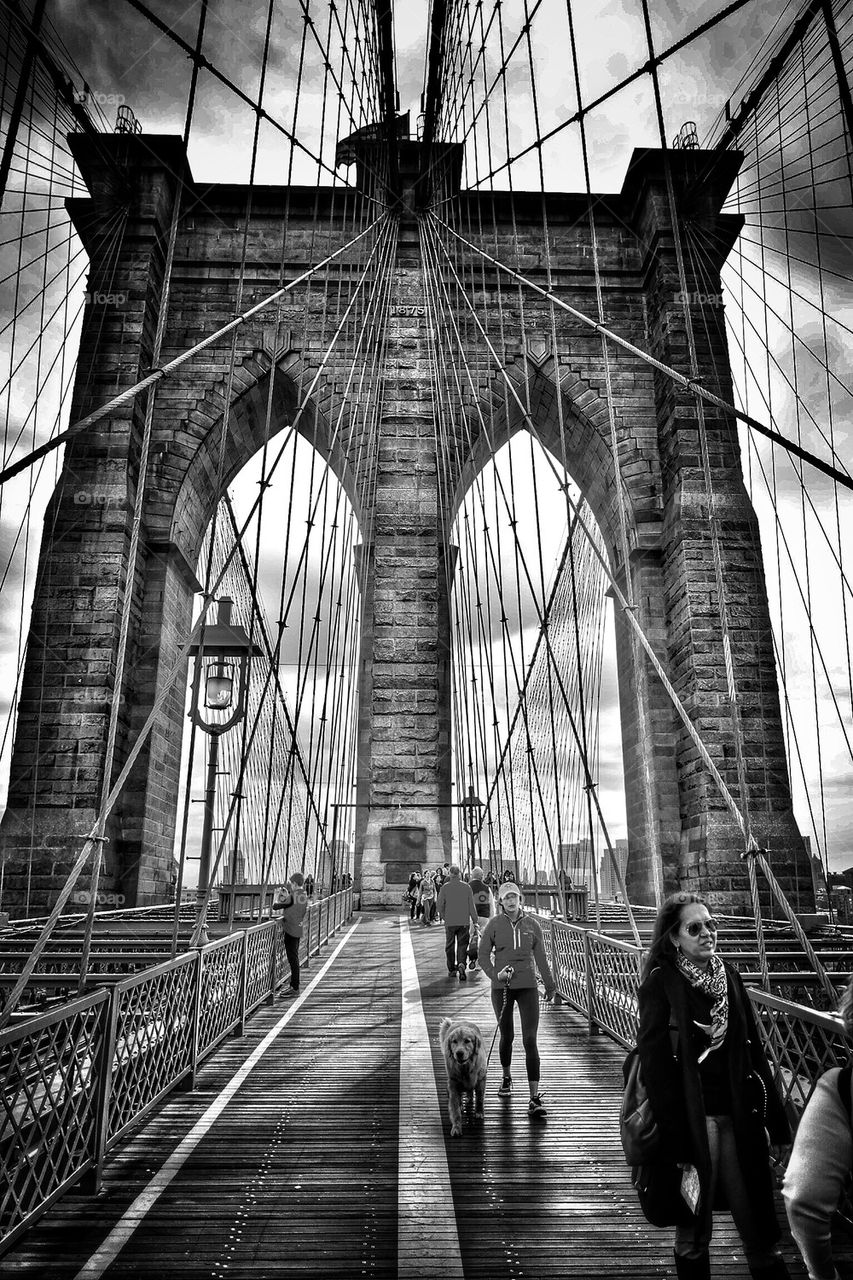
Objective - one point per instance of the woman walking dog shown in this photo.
(711, 1093)
(511, 949)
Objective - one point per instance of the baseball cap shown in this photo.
(509, 887)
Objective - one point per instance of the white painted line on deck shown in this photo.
(147, 1198)
(427, 1238)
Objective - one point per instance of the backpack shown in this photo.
(638, 1128)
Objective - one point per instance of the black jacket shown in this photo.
(675, 1093)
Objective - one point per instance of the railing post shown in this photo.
(590, 994)
(240, 1028)
(552, 929)
(108, 1013)
(196, 1016)
(272, 965)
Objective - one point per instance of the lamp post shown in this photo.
(221, 678)
(472, 819)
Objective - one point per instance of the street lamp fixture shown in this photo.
(472, 821)
(221, 655)
(219, 687)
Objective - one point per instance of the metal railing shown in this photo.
(599, 977)
(76, 1079)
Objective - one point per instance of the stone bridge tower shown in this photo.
(679, 832)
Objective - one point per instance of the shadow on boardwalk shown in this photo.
(298, 1173)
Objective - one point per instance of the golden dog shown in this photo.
(465, 1064)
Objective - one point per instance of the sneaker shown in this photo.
(472, 964)
(463, 976)
(506, 1086)
(536, 1108)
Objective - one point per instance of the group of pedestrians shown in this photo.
(422, 895)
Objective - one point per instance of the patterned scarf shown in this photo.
(712, 981)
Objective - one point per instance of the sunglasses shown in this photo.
(695, 927)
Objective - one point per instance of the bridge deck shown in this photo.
(332, 1155)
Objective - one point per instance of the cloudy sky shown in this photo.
(123, 58)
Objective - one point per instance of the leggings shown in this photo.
(527, 999)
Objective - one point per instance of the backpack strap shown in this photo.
(845, 1077)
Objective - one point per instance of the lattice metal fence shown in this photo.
(599, 977)
(51, 1100)
(76, 1079)
(152, 1038)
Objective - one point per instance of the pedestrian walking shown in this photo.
(459, 913)
(485, 904)
(412, 892)
(427, 899)
(819, 1168)
(511, 950)
(293, 905)
(711, 1092)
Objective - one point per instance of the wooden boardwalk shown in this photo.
(330, 1154)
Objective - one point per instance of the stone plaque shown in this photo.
(402, 850)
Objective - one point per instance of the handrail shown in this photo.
(77, 1078)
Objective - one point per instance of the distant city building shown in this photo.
(238, 864)
(819, 885)
(576, 859)
(608, 880)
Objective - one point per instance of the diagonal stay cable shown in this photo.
(692, 384)
(166, 687)
(390, 227)
(157, 374)
(618, 593)
(260, 112)
(753, 851)
(429, 249)
(612, 92)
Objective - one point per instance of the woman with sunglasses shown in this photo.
(711, 1093)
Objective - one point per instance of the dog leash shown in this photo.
(500, 1015)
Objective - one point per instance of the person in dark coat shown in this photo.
(711, 1092)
